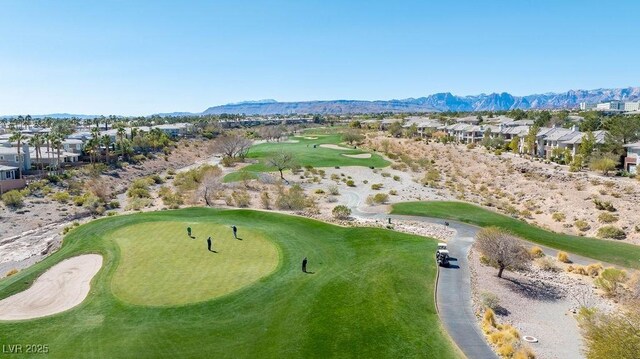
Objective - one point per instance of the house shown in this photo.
(385, 123)
(9, 157)
(72, 145)
(175, 129)
(632, 158)
(9, 179)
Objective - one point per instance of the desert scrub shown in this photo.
(582, 225)
(547, 264)
(62, 197)
(319, 191)
(607, 217)
(396, 178)
(611, 232)
(241, 198)
(11, 272)
(558, 216)
(386, 174)
(536, 252)
(376, 186)
(610, 279)
(378, 198)
(563, 257)
(350, 183)
(578, 269)
(265, 200)
(603, 205)
(341, 212)
(333, 190)
(490, 300)
(393, 192)
(594, 269)
(13, 199)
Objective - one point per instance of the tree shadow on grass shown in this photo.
(535, 289)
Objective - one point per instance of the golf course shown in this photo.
(161, 293)
(622, 254)
(327, 153)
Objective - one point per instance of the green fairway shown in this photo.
(370, 294)
(623, 254)
(306, 155)
(161, 265)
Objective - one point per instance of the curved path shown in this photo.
(454, 284)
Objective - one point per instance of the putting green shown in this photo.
(161, 265)
(369, 293)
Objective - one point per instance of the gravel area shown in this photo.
(539, 303)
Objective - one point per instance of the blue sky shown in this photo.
(143, 57)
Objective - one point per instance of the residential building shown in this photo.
(632, 159)
(8, 173)
(610, 106)
(587, 106)
(175, 129)
(631, 106)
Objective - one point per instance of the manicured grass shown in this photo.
(371, 294)
(161, 265)
(306, 155)
(623, 254)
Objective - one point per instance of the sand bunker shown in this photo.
(311, 138)
(362, 155)
(336, 147)
(62, 287)
(290, 141)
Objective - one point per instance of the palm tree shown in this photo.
(37, 141)
(106, 142)
(56, 142)
(17, 136)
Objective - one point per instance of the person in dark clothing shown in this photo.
(304, 265)
(446, 224)
(189, 231)
(209, 244)
(235, 232)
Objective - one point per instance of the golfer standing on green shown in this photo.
(235, 231)
(189, 231)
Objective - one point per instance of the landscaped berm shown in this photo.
(162, 293)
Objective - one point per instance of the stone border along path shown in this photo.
(453, 298)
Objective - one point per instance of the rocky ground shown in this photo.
(518, 186)
(539, 303)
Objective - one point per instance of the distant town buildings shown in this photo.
(611, 106)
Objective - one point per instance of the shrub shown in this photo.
(12, 272)
(582, 225)
(228, 161)
(386, 174)
(265, 200)
(350, 183)
(563, 257)
(431, 177)
(604, 205)
(341, 212)
(241, 198)
(376, 186)
(524, 353)
(319, 191)
(536, 252)
(594, 269)
(558, 216)
(393, 192)
(611, 232)
(62, 197)
(547, 264)
(610, 279)
(607, 217)
(13, 199)
(396, 178)
(378, 198)
(114, 204)
(293, 199)
(137, 204)
(489, 300)
(333, 190)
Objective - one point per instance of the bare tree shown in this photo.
(282, 160)
(502, 249)
(210, 186)
(232, 145)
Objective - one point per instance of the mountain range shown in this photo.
(438, 102)
(433, 103)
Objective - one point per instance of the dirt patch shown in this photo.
(60, 288)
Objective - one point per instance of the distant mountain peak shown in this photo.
(442, 101)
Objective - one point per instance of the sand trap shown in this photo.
(311, 138)
(336, 147)
(290, 141)
(60, 288)
(362, 155)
